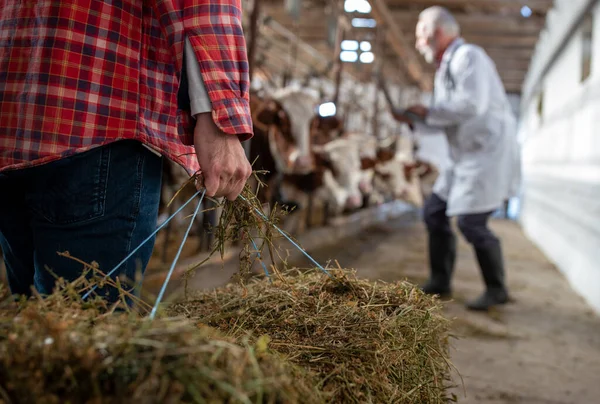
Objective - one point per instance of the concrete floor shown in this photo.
(543, 348)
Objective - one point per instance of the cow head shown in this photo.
(342, 157)
(299, 108)
(386, 149)
(390, 179)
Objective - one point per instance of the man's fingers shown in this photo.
(239, 179)
(235, 191)
(211, 183)
(237, 183)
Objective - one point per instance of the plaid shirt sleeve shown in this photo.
(214, 28)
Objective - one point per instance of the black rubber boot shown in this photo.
(442, 254)
(492, 269)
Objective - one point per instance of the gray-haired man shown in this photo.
(470, 105)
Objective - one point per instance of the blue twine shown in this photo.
(166, 282)
(112, 271)
(288, 238)
(260, 259)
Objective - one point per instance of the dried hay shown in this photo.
(364, 341)
(238, 222)
(302, 338)
(62, 350)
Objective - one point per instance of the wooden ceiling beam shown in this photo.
(510, 42)
(538, 7)
(519, 67)
(398, 42)
(512, 64)
(480, 22)
(497, 54)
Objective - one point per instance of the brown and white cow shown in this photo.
(281, 143)
(342, 179)
(395, 178)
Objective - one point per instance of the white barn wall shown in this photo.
(561, 158)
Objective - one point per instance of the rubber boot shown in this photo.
(492, 269)
(442, 254)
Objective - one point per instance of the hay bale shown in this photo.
(364, 341)
(60, 350)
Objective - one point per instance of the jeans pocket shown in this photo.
(73, 189)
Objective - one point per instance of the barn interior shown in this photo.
(363, 209)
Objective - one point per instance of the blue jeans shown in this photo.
(96, 205)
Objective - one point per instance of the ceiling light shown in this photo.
(327, 109)
(348, 56)
(349, 45)
(367, 57)
(364, 23)
(526, 12)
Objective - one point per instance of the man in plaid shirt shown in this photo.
(92, 94)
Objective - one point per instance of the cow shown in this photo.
(342, 178)
(281, 143)
(394, 177)
(427, 174)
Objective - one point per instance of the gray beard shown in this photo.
(429, 54)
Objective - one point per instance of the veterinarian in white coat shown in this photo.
(470, 105)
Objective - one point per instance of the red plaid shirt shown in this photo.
(76, 74)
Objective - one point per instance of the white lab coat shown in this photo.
(473, 110)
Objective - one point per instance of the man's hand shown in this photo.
(223, 162)
(401, 118)
(419, 110)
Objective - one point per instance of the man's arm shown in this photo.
(214, 29)
(217, 71)
(471, 93)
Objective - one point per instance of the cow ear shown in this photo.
(367, 163)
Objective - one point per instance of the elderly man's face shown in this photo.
(427, 43)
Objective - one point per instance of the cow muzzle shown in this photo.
(354, 201)
(303, 164)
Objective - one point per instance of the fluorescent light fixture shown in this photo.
(365, 46)
(348, 56)
(348, 45)
(367, 57)
(358, 6)
(363, 7)
(526, 12)
(327, 109)
(364, 23)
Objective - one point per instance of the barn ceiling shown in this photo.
(496, 25)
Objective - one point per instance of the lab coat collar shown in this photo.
(450, 50)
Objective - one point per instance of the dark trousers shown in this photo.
(442, 244)
(97, 205)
